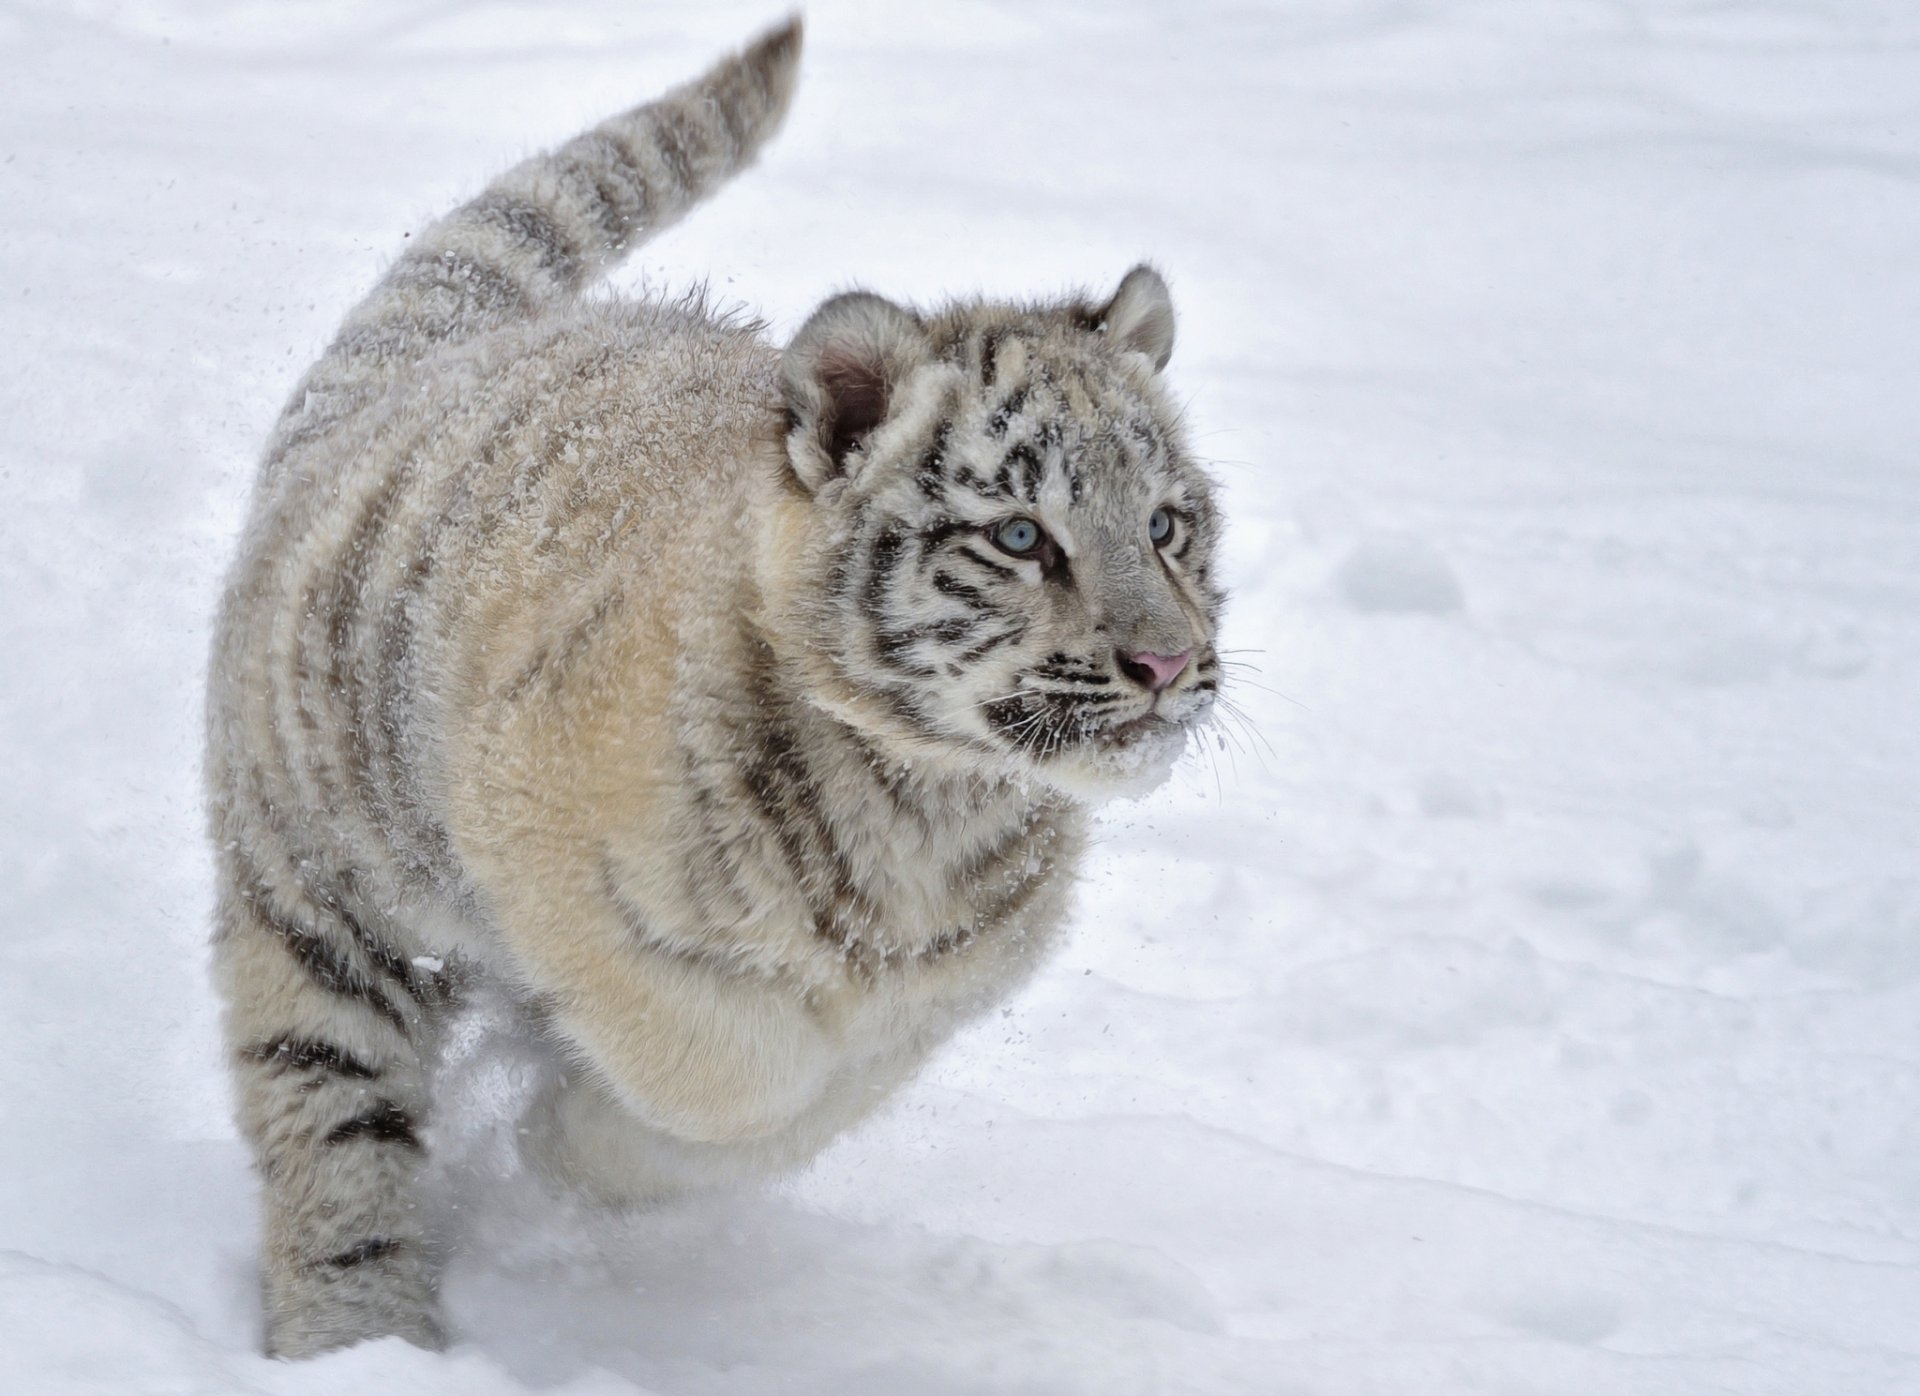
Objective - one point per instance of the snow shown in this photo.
(1521, 999)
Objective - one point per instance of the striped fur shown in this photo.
(673, 681)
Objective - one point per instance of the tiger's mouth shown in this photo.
(1049, 727)
(1145, 727)
(1067, 746)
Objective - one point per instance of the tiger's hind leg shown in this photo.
(326, 1028)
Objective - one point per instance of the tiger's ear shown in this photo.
(1140, 316)
(842, 373)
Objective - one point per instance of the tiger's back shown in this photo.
(451, 549)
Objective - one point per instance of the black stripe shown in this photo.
(373, 1248)
(990, 564)
(1073, 663)
(1008, 409)
(1006, 713)
(947, 632)
(890, 649)
(714, 961)
(840, 577)
(344, 604)
(903, 706)
(896, 781)
(551, 662)
(385, 1122)
(533, 227)
(969, 596)
(670, 138)
(966, 476)
(734, 118)
(714, 880)
(1003, 480)
(1072, 675)
(393, 683)
(383, 340)
(1030, 472)
(890, 645)
(629, 169)
(933, 535)
(379, 952)
(763, 785)
(883, 559)
(421, 840)
(788, 796)
(992, 643)
(309, 1054)
(947, 943)
(325, 965)
(582, 164)
(475, 284)
(1015, 897)
(778, 779)
(931, 474)
(609, 198)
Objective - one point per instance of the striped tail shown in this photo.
(550, 226)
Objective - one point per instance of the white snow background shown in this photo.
(1526, 1006)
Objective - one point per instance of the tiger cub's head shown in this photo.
(997, 551)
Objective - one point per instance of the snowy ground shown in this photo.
(1532, 1006)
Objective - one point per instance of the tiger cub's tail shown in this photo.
(551, 225)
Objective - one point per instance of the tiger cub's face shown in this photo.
(1011, 550)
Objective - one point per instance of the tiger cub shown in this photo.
(731, 708)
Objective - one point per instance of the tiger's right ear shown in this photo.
(842, 373)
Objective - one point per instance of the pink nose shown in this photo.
(1154, 671)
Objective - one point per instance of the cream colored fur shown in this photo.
(673, 682)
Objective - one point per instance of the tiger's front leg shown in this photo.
(703, 1048)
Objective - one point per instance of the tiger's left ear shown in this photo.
(1140, 316)
(842, 374)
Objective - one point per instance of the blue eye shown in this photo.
(1160, 526)
(1018, 536)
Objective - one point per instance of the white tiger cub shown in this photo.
(731, 707)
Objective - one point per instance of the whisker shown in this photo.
(1227, 736)
(1236, 735)
(1239, 682)
(1001, 698)
(1228, 745)
(1239, 715)
(1213, 764)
